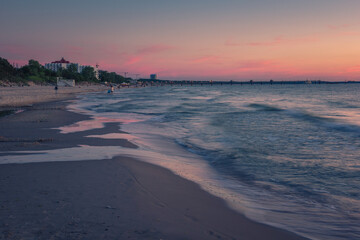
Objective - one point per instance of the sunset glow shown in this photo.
(219, 40)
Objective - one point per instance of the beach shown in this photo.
(22, 96)
(117, 198)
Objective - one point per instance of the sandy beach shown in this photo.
(27, 95)
(120, 198)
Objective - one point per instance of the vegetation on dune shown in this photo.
(35, 72)
(87, 74)
(8, 72)
(38, 74)
(112, 77)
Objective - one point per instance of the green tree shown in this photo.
(72, 68)
(7, 72)
(111, 77)
(88, 74)
(35, 68)
(71, 72)
(34, 71)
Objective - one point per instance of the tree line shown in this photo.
(38, 74)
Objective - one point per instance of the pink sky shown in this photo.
(232, 40)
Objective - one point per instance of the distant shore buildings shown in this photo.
(153, 76)
(64, 64)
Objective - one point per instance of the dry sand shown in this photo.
(27, 95)
(121, 198)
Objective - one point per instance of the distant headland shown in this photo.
(38, 74)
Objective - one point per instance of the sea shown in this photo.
(285, 155)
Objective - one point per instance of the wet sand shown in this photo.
(120, 198)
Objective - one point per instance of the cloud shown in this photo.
(133, 59)
(278, 41)
(73, 50)
(353, 69)
(344, 30)
(232, 43)
(21, 54)
(340, 26)
(154, 49)
(282, 41)
(206, 59)
(15, 50)
(264, 69)
(349, 33)
(256, 64)
(146, 51)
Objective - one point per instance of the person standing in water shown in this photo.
(111, 90)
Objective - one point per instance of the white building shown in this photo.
(63, 64)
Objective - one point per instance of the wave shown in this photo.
(253, 170)
(342, 104)
(220, 160)
(327, 122)
(265, 107)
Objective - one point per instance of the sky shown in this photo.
(193, 40)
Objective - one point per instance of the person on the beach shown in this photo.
(111, 90)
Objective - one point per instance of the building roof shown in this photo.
(61, 61)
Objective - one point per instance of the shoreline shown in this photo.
(167, 206)
(17, 97)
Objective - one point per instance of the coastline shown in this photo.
(15, 97)
(105, 199)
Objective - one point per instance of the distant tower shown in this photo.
(96, 70)
(153, 76)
